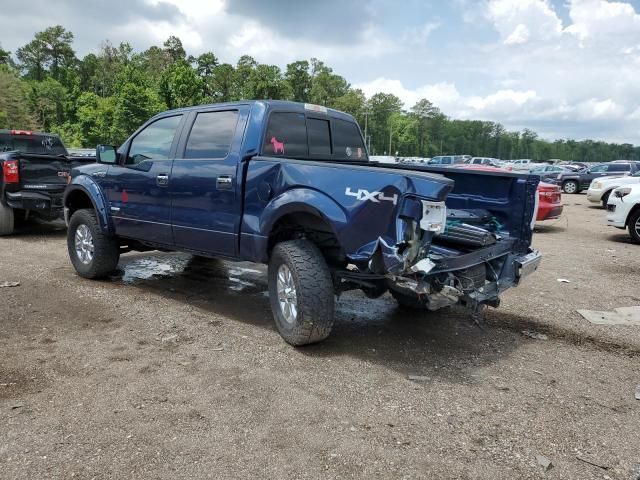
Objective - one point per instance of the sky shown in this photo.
(566, 69)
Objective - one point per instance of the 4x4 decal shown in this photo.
(375, 197)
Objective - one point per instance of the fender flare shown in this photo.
(92, 190)
(304, 200)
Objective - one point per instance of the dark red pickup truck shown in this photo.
(35, 167)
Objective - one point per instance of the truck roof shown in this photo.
(6, 131)
(271, 105)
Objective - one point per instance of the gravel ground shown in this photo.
(173, 369)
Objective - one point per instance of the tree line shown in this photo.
(104, 97)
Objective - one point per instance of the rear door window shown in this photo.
(347, 141)
(211, 134)
(286, 135)
(319, 136)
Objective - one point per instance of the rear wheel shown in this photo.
(301, 292)
(92, 253)
(570, 186)
(7, 220)
(634, 226)
(605, 199)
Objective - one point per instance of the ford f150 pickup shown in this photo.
(290, 185)
(34, 168)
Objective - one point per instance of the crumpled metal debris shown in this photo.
(619, 316)
(9, 284)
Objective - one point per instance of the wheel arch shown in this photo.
(300, 211)
(633, 211)
(85, 193)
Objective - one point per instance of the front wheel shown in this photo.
(605, 199)
(301, 292)
(634, 226)
(6, 219)
(92, 253)
(570, 186)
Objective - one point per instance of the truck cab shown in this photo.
(291, 185)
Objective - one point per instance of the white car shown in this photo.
(623, 210)
(523, 164)
(601, 188)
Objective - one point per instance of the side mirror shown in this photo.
(106, 154)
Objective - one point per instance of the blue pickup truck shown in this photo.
(291, 185)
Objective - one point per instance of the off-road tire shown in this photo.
(407, 301)
(631, 223)
(605, 198)
(314, 291)
(7, 220)
(571, 182)
(106, 251)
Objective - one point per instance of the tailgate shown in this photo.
(509, 197)
(44, 172)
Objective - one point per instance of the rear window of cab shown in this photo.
(296, 135)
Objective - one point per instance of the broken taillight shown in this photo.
(10, 171)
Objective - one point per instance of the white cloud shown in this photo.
(518, 21)
(596, 20)
(519, 35)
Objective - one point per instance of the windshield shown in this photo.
(38, 144)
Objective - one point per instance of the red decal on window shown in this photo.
(278, 147)
(125, 196)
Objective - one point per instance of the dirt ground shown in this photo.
(173, 369)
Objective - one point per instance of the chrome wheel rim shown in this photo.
(287, 296)
(637, 227)
(84, 244)
(570, 187)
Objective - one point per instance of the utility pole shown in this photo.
(390, 133)
(366, 117)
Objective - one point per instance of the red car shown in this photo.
(549, 195)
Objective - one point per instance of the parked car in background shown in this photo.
(549, 202)
(291, 185)
(383, 159)
(601, 188)
(522, 165)
(623, 210)
(447, 160)
(575, 182)
(34, 167)
(547, 172)
(492, 162)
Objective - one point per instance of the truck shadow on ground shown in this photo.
(444, 344)
(35, 230)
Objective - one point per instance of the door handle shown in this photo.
(162, 180)
(224, 182)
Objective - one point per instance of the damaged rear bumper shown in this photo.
(470, 279)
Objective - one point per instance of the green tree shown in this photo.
(180, 86)
(223, 83)
(5, 57)
(173, 47)
(299, 79)
(46, 101)
(13, 102)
